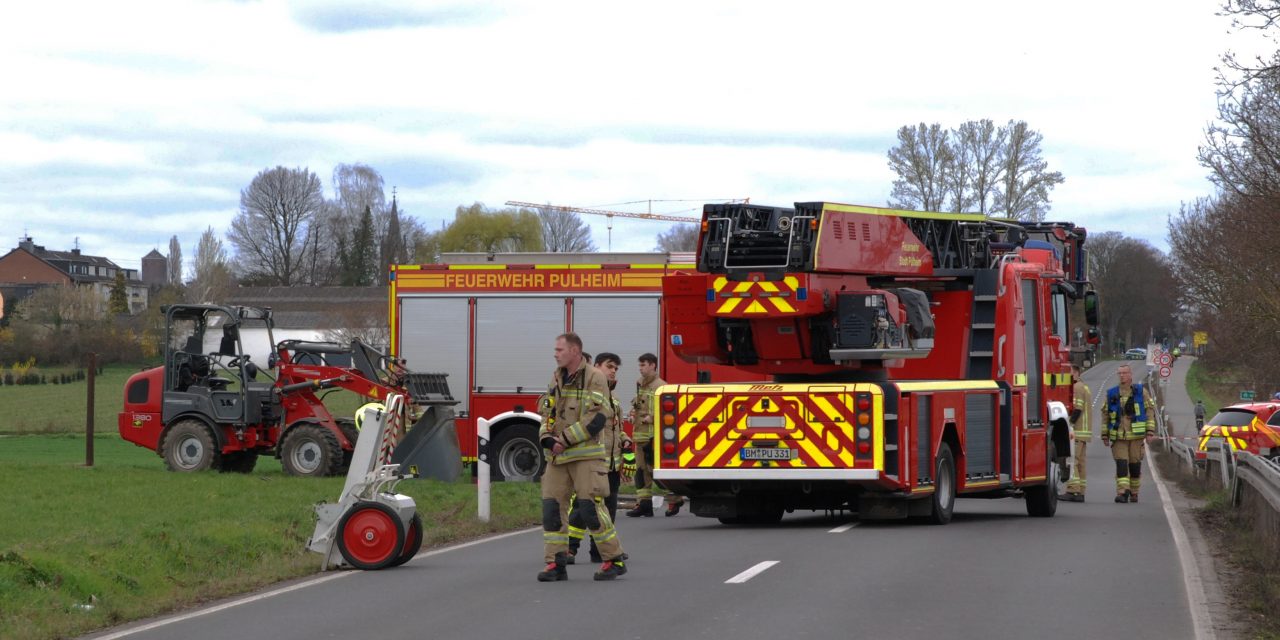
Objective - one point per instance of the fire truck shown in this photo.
(489, 321)
(913, 358)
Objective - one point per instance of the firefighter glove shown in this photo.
(628, 468)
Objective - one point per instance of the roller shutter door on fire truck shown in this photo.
(515, 343)
(433, 337)
(627, 326)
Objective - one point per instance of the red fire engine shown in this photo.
(489, 322)
(915, 357)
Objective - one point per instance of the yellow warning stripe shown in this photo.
(947, 385)
(900, 213)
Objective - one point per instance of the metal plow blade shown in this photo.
(431, 447)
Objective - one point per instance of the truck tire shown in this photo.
(1042, 500)
(516, 454)
(370, 535)
(311, 450)
(412, 542)
(189, 445)
(943, 500)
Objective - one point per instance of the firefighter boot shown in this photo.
(673, 507)
(1122, 497)
(612, 569)
(644, 507)
(555, 570)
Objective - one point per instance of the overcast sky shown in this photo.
(123, 123)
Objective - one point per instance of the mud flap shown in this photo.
(431, 447)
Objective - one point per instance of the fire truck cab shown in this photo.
(914, 357)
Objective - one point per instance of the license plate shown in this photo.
(770, 453)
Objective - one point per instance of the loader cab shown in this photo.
(208, 373)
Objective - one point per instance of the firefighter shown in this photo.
(1081, 433)
(642, 428)
(575, 412)
(1128, 423)
(616, 444)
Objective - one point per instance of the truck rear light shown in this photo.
(864, 418)
(669, 434)
(864, 447)
(864, 403)
(864, 433)
(668, 419)
(668, 448)
(668, 404)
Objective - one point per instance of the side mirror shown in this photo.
(1091, 307)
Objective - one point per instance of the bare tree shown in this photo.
(1025, 182)
(564, 231)
(211, 276)
(980, 142)
(175, 261)
(678, 238)
(920, 160)
(272, 233)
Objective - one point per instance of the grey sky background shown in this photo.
(124, 123)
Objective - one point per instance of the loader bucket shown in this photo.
(431, 446)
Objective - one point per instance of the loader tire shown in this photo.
(943, 500)
(189, 445)
(370, 536)
(412, 542)
(1042, 500)
(311, 450)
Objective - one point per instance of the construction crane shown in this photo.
(609, 214)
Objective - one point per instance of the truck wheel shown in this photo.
(239, 462)
(516, 454)
(188, 445)
(412, 542)
(1042, 500)
(370, 536)
(944, 486)
(311, 450)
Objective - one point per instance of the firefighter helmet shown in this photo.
(360, 412)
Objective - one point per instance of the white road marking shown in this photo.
(301, 585)
(751, 573)
(1194, 584)
(843, 528)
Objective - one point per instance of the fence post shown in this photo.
(88, 414)
(482, 468)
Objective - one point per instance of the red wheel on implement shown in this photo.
(412, 542)
(370, 536)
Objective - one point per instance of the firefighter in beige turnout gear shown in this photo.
(642, 431)
(617, 446)
(575, 412)
(1081, 433)
(1127, 424)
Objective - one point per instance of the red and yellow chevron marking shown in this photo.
(819, 426)
(1241, 438)
(744, 299)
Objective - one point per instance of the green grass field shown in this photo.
(84, 548)
(1201, 386)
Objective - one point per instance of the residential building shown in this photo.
(31, 266)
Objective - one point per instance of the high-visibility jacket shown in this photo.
(642, 405)
(1081, 401)
(576, 408)
(1115, 412)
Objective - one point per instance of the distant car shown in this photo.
(1252, 427)
(1135, 354)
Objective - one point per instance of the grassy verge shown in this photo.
(1252, 578)
(83, 548)
(1201, 386)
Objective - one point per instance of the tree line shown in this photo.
(1228, 274)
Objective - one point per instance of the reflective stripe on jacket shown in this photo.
(1140, 422)
(1082, 398)
(642, 405)
(569, 408)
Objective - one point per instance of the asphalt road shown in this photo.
(1097, 569)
